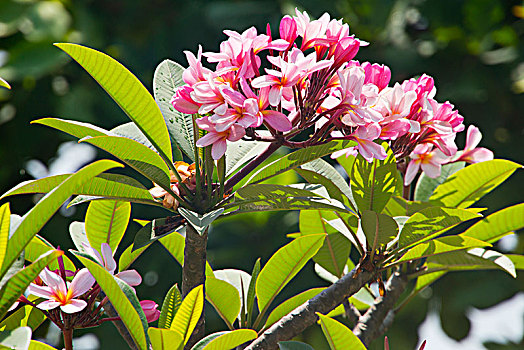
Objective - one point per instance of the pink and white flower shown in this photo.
(472, 153)
(428, 158)
(61, 294)
(218, 139)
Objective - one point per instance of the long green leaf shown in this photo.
(111, 186)
(4, 83)
(230, 340)
(430, 222)
(35, 219)
(5, 223)
(468, 185)
(267, 192)
(18, 283)
(36, 345)
(167, 77)
(165, 339)
(497, 225)
(127, 91)
(106, 222)
(39, 246)
(334, 253)
(129, 256)
(123, 299)
(379, 229)
(72, 127)
(293, 345)
(427, 279)
(250, 298)
(27, 315)
(374, 183)
(297, 158)
(426, 185)
(283, 266)
(441, 245)
(136, 155)
(240, 152)
(339, 336)
(170, 306)
(189, 312)
(238, 279)
(290, 305)
(224, 298)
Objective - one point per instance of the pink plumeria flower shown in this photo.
(60, 294)
(131, 277)
(428, 158)
(195, 72)
(312, 32)
(183, 102)
(364, 135)
(218, 139)
(209, 96)
(288, 29)
(377, 74)
(472, 153)
(244, 111)
(150, 310)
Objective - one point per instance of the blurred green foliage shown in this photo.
(473, 48)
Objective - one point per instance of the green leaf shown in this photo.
(72, 127)
(153, 231)
(136, 155)
(36, 345)
(326, 170)
(379, 229)
(250, 299)
(339, 336)
(189, 312)
(427, 279)
(165, 339)
(230, 340)
(294, 345)
(127, 91)
(497, 225)
(374, 183)
(170, 306)
(314, 221)
(39, 246)
(35, 219)
(346, 163)
(224, 298)
(427, 185)
(5, 223)
(441, 245)
(123, 299)
(283, 266)
(297, 158)
(106, 222)
(398, 206)
(4, 83)
(204, 341)
(518, 260)
(129, 256)
(474, 259)
(200, 221)
(240, 152)
(290, 305)
(238, 279)
(111, 186)
(16, 339)
(267, 192)
(431, 222)
(334, 253)
(167, 77)
(25, 316)
(468, 185)
(15, 286)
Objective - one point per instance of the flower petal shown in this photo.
(81, 283)
(107, 253)
(53, 280)
(48, 305)
(39, 291)
(411, 172)
(218, 149)
(131, 277)
(74, 305)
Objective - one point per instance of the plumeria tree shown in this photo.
(207, 143)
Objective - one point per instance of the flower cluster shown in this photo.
(307, 78)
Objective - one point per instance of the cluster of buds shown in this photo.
(187, 175)
(307, 78)
(72, 298)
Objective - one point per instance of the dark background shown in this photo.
(473, 48)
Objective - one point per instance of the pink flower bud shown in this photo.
(288, 29)
(150, 310)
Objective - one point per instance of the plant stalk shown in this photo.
(68, 339)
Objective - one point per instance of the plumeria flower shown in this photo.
(472, 153)
(61, 294)
(364, 136)
(131, 277)
(150, 310)
(218, 139)
(428, 158)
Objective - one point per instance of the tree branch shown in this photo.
(304, 316)
(194, 273)
(380, 315)
(120, 326)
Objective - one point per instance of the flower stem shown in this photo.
(68, 339)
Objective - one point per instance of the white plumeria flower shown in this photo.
(60, 294)
(131, 277)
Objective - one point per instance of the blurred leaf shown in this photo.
(170, 306)
(4, 84)
(468, 185)
(35, 219)
(16, 339)
(165, 339)
(427, 185)
(38, 246)
(339, 336)
(229, 340)
(238, 279)
(5, 224)
(123, 299)
(498, 224)
(283, 266)
(136, 155)
(293, 345)
(225, 299)
(297, 158)
(427, 279)
(379, 229)
(373, 184)
(106, 222)
(290, 304)
(200, 222)
(431, 222)
(189, 312)
(36, 345)
(167, 77)
(27, 315)
(134, 99)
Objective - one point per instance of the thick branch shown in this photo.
(304, 316)
(194, 273)
(380, 315)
